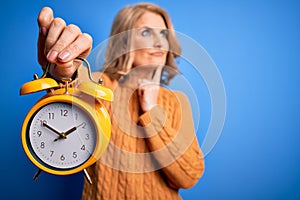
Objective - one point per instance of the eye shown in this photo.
(164, 33)
(146, 32)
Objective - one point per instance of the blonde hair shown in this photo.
(117, 56)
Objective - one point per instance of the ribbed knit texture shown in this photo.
(127, 169)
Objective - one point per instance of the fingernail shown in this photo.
(52, 55)
(64, 55)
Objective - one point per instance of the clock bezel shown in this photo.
(96, 114)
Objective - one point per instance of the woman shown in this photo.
(153, 150)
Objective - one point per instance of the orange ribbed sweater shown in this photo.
(151, 155)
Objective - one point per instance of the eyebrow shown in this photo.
(147, 27)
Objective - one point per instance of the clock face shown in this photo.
(61, 136)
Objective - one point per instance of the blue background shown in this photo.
(255, 45)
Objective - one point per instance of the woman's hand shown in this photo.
(148, 91)
(60, 44)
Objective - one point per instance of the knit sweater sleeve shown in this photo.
(171, 138)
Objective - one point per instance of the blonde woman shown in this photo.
(153, 151)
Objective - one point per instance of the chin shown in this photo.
(157, 62)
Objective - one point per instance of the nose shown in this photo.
(157, 44)
(157, 41)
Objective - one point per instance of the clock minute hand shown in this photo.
(52, 129)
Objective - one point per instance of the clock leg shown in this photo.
(36, 175)
(87, 176)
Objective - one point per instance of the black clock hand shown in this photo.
(72, 129)
(64, 134)
(52, 129)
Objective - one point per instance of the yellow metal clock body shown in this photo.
(68, 129)
(63, 134)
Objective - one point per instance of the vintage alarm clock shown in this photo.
(68, 129)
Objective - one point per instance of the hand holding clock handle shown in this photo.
(52, 129)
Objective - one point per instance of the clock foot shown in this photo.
(87, 176)
(36, 175)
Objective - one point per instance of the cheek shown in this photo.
(165, 45)
(140, 58)
(141, 43)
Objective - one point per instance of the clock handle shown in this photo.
(93, 88)
(89, 70)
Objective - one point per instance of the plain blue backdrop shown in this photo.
(255, 45)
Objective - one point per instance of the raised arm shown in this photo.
(172, 140)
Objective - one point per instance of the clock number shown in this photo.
(74, 154)
(87, 137)
(51, 115)
(83, 147)
(62, 158)
(43, 122)
(51, 153)
(83, 124)
(39, 133)
(42, 145)
(64, 113)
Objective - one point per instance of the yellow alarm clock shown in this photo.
(68, 129)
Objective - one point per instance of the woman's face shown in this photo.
(149, 43)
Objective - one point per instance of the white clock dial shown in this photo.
(62, 135)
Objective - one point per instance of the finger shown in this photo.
(45, 18)
(69, 34)
(63, 70)
(157, 74)
(56, 28)
(142, 83)
(140, 92)
(80, 47)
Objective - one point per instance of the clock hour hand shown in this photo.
(53, 130)
(72, 129)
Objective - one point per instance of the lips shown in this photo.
(157, 53)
